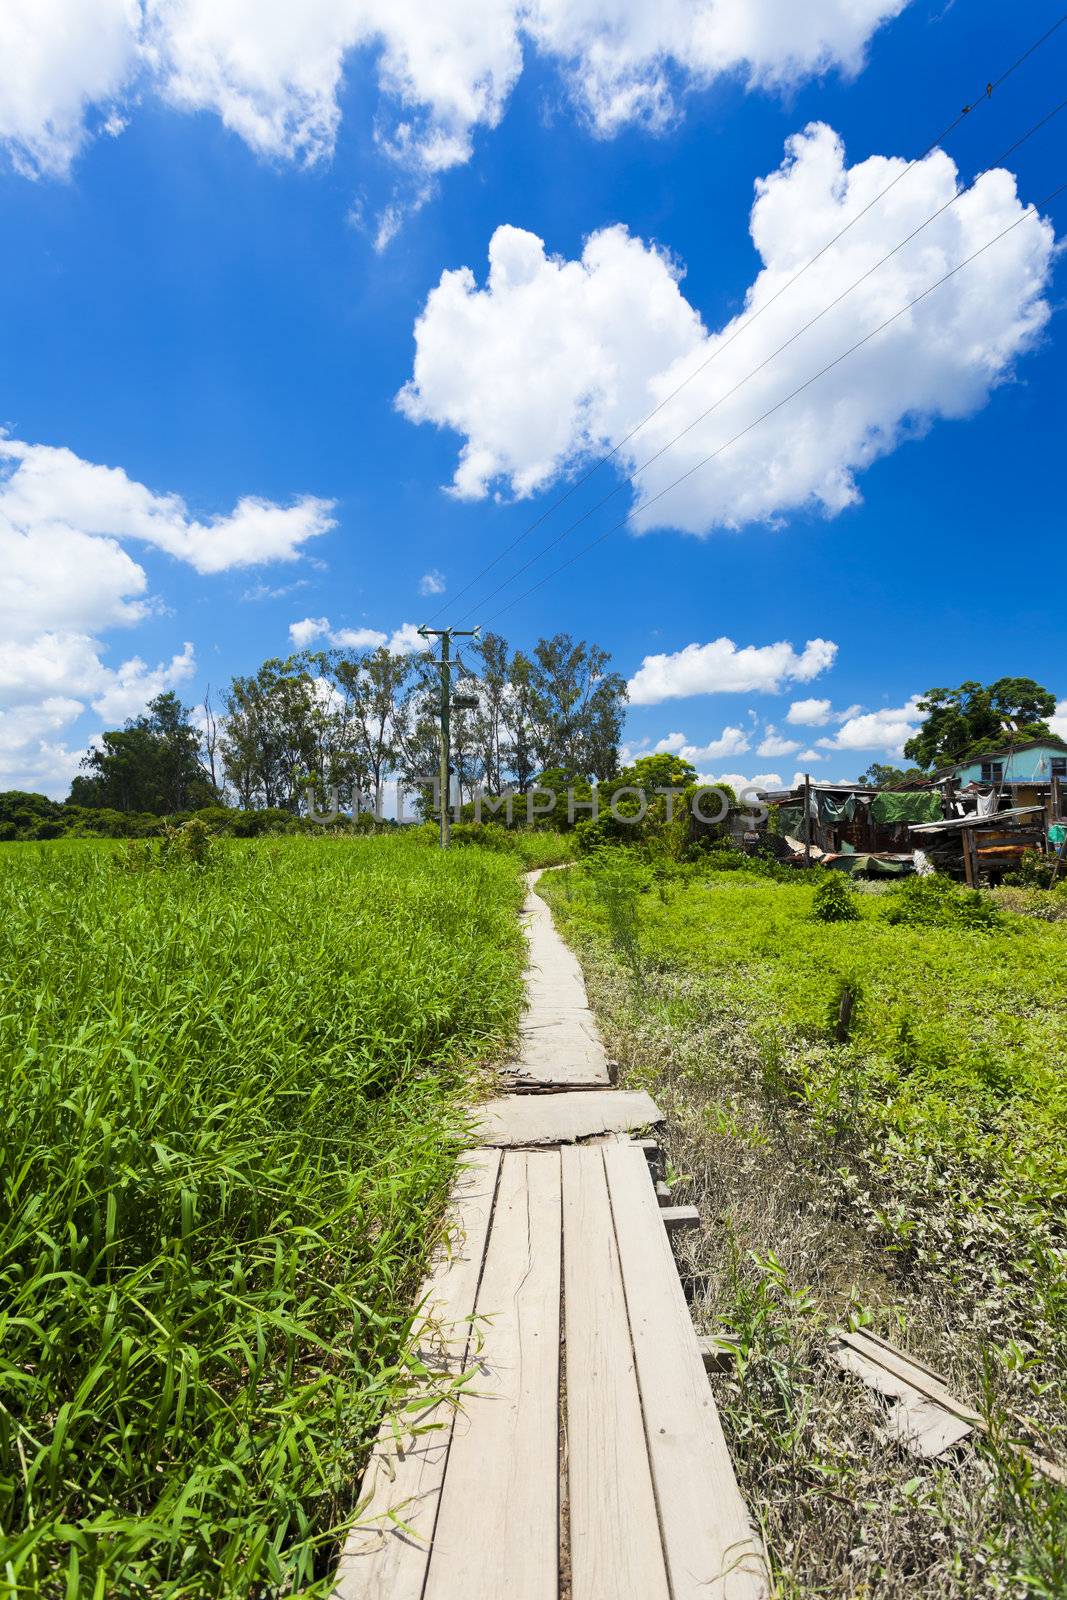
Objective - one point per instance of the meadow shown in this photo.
(233, 1092)
(872, 1115)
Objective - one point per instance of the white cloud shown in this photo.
(44, 489)
(134, 684)
(731, 742)
(809, 713)
(403, 641)
(45, 683)
(273, 71)
(810, 755)
(738, 781)
(555, 359)
(307, 630)
(432, 582)
(68, 578)
(772, 744)
(886, 730)
(721, 668)
(1058, 722)
(58, 58)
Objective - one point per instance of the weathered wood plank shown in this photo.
(560, 1042)
(675, 1217)
(709, 1547)
(615, 1545)
(524, 1119)
(403, 1479)
(918, 1423)
(498, 1525)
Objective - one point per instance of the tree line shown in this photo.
(354, 719)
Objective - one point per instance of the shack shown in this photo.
(849, 827)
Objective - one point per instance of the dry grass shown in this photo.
(780, 1258)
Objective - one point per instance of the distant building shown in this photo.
(1024, 769)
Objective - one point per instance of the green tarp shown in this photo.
(834, 810)
(860, 865)
(922, 805)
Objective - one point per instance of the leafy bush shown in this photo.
(835, 901)
(1035, 871)
(936, 902)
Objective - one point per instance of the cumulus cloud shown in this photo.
(731, 742)
(403, 641)
(432, 582)
(48, 682)
(44, 489)
(552, 360)
(62, 62)
(809, 713)
(273, 72)
(721, 668)
(887, 729)
(68, 578)
(773, 744)
(1058, 722)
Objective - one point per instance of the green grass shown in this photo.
(912, 1175)
(230, 1107)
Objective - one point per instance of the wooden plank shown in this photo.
(711, 1553)
(675, 1217)
(615, 1546)
(404, 1476)
(902, 1367)
(524, 1119)
(916, 1422)
(498, 1525)
(868, 1336)
(560, 1042)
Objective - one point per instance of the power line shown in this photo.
(631, 478)
(985, 95)
(1031, 211)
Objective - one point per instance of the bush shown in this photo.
(834, 900)
(936, 902)
(590, 836)
(1034, 871)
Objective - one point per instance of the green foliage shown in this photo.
(835, 900)
(880, 776)
(1035, 871)
(150, 765)
(971, 719)
(936, 902)
(229, 1112)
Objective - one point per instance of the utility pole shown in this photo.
(444, 666)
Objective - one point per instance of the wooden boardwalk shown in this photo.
(585, 1456)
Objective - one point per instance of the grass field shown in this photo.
(912, 1175)
(229, 1111)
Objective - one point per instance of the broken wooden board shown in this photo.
(928, 1419)
(560, 1043)
(523, 1119)
(915, 1421)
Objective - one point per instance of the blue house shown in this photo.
(1030, 765)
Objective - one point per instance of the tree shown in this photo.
(880, 776)
(373, 683)
(152, 764)
(967, 721)
(577, 707)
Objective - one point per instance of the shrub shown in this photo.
(834, 900)
(936, 902)
(590, 836)
(1034, 871)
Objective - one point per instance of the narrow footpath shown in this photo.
(585, 1460)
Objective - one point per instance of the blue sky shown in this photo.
(190, 299)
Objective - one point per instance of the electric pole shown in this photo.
(444, 666)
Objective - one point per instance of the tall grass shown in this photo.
(229, 1111)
